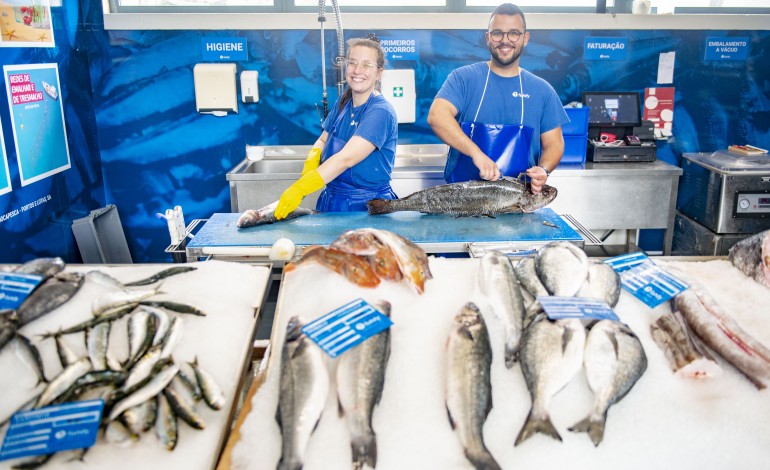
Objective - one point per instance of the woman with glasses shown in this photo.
(355, 153)
(498, 118)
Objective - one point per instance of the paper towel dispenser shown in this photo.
(398, 88)
(215, 90)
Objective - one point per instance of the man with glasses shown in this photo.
(499, 119)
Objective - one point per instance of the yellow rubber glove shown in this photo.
(312, 161)
(292, 197)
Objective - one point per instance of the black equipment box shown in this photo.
(600, 152)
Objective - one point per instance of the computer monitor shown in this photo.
(613, 108)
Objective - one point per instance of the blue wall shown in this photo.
(156, 151)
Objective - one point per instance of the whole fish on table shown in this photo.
(304, 387)
(752, 256)
(469, 386)
(266, 215)
(360, 380)
(469, 198)
(614, 360)
(356, 269)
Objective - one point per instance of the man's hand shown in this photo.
(538, 177)
(488, 169)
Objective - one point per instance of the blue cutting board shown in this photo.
(324, 228)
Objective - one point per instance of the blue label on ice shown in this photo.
(595, 48)
(14, 288)
(345, 327)
(645, 280)
(52, 429)
(220, 49)
(727, 48)
(576, 307)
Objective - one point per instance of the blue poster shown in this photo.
(228, 49)
(595, 48)
(37, 115)
(5, 176)
(727, 48)
(400, 48)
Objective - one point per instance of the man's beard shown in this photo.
(505, 62)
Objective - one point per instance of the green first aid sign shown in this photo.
(398, 92)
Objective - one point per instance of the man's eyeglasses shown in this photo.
(353, 63)
(498, 35)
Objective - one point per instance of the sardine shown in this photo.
(141, 417)
(30, 355)
(183, 409)
(211, 391)
(149, 390)
(602, 282)
(141, 331)
(304, 387)
(111, 300)
(89, 381)
(468, 386)
(97, 342)
(551, 354)
(752, 256)
(177, 307)
(168, 272)
(720, 332)
(499, 287)
(266, 215)
(166, 427)
(110, 315)
(470, 198)
(354, 268)
(66, 355)
(49, 296)
(118, 433)
(63, 381)
(360, 380)
(686, 357)
(412, 260)
(614, 361)
(142, 369)
(105, 280)
(562, 267)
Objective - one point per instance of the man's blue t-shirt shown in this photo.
(543, 110)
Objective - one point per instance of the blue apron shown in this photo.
(345, 193)
(507, 145)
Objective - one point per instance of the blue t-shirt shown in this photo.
(543, 110)
(376, 122)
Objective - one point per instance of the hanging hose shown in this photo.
(340, 49)
(322, 20)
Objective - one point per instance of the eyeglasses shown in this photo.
(353, 63)
(498, 35)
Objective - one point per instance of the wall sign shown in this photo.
(727, 48)
(224, 49)
(37, 115)
(596, 48)
(400, 48)
(26, 24)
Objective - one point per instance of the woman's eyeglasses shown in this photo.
(353, 63)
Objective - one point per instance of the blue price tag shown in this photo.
(15, 288)
(645, 280)
(576, 307)
(52, 429)
(346, 326)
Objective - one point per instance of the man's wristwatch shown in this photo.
(547, 173)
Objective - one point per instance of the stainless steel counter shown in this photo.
(601, 196)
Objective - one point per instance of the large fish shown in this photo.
(45, 267)
(304, 386)
(360, 380)
(551, 354)
(469, 198)
(499, 287)
(602, 282)
(356, 269)
(266, 215)
(562, 267)
(720, 332)
(468, 386)
(614, 360)
(50, 295)
(752, 256)
(363, 242)
(412, 260)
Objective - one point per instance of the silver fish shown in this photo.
(183, 409)
(49, 296)
(172, 337)
(141, 331)
(614, 361)
(166, 427)
(686, 357)
(720, 332)
(499, 287)
(562, 267)
(142, 369)
(266, 215)
(105, 280)
(752, 256)
(304, 387)
(118, 433)
(602, 282)
(360, 380)
(30, 355)
(111, 300)
(528, 279)
(141, 417)
(9, 324)
(66, 355)
(168, 272)
(46, 267)
(63, 381)
(470, 198)
(97, 342)
(551, 354)
(212, 393)
(149, 390)
(468, 386)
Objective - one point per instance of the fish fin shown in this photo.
(364, 450)
(511, 356)
(451, 421)
(614, 341)
(340, 409)
(379, 206)
(594, 428)
(482, 459)
(534, 425)
(278, 418)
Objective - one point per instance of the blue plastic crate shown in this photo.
(575, 147)
(578, 124)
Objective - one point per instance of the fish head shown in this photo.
(358, 271)
(294, 328)
(385, 265)
(539, 200)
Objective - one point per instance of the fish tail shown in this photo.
(594, 428)
(289, 465)
(534, 425)
(482, 459)
(379, 206)
(364, 450)
(511, 354)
